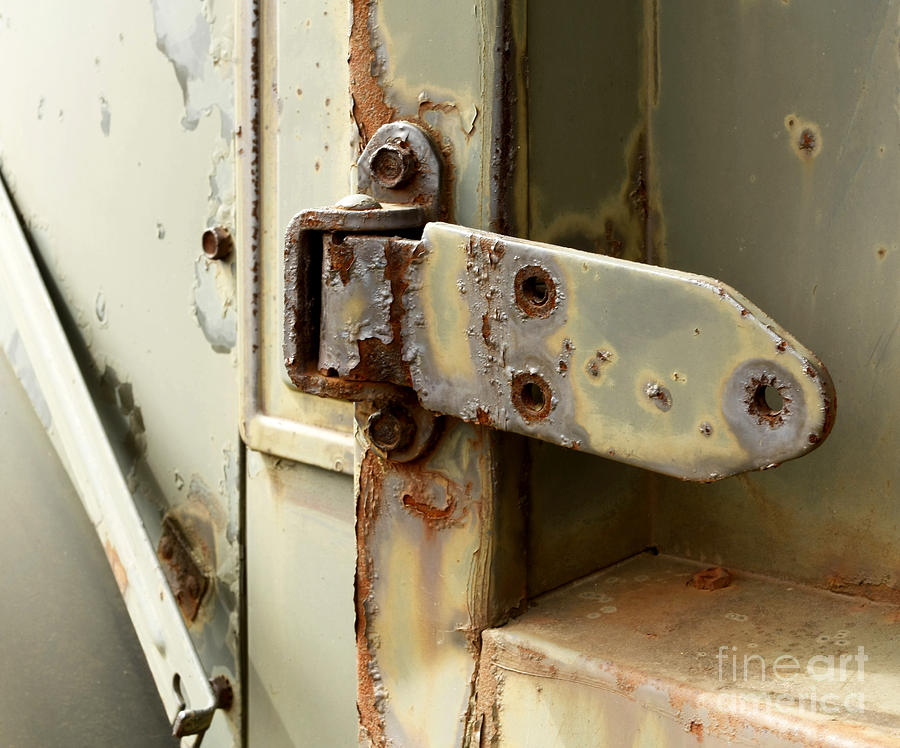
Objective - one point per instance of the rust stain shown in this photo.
(420, 493)
(483, 418)
(118, 569)
(187, 577)
(486, 330)
(715, 578)
(369, 700)
(696, 729)
(429, 511)
(807, 140)
(505, 127)
(341, 258)
(370, 110)
(805, 137)
(595, 365)
(880, 592)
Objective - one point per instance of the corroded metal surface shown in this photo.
(637, 656)
(187, 579)
(574, 354)
(550, 342)
(439, 558)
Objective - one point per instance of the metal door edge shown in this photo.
(78, 435)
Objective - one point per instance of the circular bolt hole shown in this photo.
(535, 291)
(769, 401)
(531, 396)
(393, 164)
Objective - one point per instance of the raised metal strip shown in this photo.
(78, 434)
(262, 427)
(645, 365)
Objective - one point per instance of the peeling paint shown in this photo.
(228, 489)
(184, 36)
(213, 301)
(104, 115)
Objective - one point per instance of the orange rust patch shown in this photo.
(486, 330)
(118, 569)
(696, 729)
(370, 110)
(341, 258)
(420, 488)
(711, 579)
(880, 593)
(483, 418)
(371, 479)
(429, 511)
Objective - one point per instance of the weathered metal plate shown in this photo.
(636, 656)
(670, 371)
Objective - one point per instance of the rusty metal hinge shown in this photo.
(673, 372)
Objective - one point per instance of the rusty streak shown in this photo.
(370, 110)
(369, 700)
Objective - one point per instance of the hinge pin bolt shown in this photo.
(390, 429)
(393, 164)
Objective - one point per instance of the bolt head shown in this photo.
(390, 429)
(393, 164)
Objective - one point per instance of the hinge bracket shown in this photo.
(673, 372)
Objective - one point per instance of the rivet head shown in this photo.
(217, 243)
(358, 202)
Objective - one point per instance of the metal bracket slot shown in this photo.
(669, 371)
